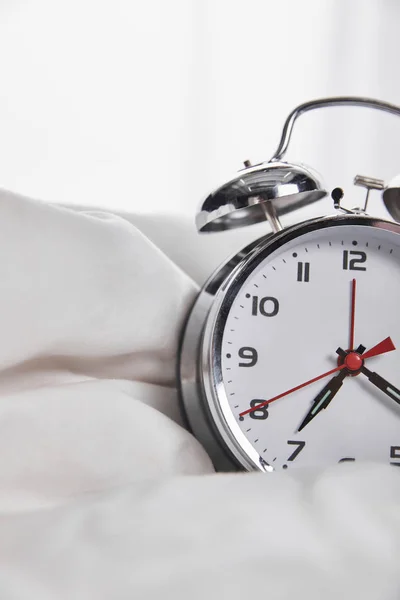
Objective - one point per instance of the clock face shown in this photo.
(303, 365)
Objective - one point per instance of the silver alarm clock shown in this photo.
(288, 358)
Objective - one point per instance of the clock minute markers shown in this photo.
(352, 364)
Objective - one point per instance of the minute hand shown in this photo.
(382, 384)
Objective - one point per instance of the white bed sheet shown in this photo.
(103, 493)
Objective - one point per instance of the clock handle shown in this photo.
(322, 103)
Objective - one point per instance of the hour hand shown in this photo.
(382, 384)
(324, 398)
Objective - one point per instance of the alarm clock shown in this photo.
(288, 357)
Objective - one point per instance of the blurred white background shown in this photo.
(144, 106)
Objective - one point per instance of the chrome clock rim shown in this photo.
(199, 368)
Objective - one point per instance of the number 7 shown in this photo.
(298, 449)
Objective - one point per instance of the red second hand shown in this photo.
(298, 387)
(353, 314)
(385, 346)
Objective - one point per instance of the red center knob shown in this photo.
(353, 361)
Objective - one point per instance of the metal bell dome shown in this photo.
(271, 189)
(257, 193)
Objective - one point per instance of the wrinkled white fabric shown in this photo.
(90, 315)
(103, 493)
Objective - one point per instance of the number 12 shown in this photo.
(353, 263)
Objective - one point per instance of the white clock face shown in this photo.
(325, 302)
